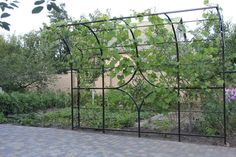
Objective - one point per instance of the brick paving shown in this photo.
(21, 141)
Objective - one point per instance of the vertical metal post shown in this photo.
(78, 98)
(177, 77)
(103, 99)
(72, 96)
(139, 127)
(178, 93)
(223, 71)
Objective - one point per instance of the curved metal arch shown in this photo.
(178, 77)
(128, 80)
(176, 46)
(133, 36)
(175, 36)
(152, 84)
(144, 77)
(103, 79)
(135, 44)
(101, 51)
(68, 47)
(131, 97)
(141, 105)
(136, 48)
(95, 35)
(177, 49)
(65, 43)
(137, 54)
(81, 52)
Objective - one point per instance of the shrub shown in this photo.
(2, 118)
(18, 103)
(60, 118)
(6, 104)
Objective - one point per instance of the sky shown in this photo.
(22, 21)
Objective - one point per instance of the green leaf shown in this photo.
(5, 25)
(140, 18)
(55, 7)
(9, 7)
(137, 33)
(206, 2)
(120, 77)
(3, 5)
(39, 2)
(37, 10)
(14, 5)
(49, 7)
(2, 8)
(5, 15)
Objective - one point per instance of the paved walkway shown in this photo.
(19, 141)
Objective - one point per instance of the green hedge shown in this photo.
(27, 102)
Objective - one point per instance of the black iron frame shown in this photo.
(178, 88)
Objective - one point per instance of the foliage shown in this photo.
(61, 118)
(7, 5)
(81, 39)
(18, 103)
(115, 100)
(51, 5)
(24, 62)
(212, 122)
(165, 126)
(2, 118)
(58, 118)
(113, 119)
(168, 103)
(56, 45)
(55, 118)
(30, 59)
(119, 112)
(231, 108)
(230, 55)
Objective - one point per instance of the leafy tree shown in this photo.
(23, 63)
(57, 42)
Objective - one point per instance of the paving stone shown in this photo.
(21, 141)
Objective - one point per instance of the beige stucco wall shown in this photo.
(61, 82)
